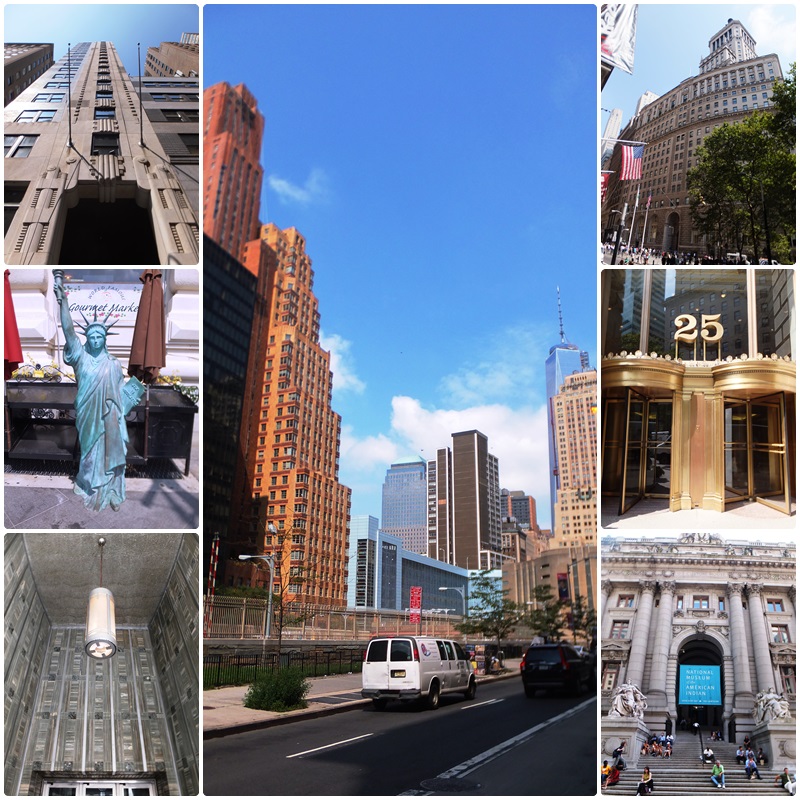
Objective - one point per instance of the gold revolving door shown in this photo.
(756, 451)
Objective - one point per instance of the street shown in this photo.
(514, 746)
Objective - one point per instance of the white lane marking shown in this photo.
(484, 703)
(328, 746)
(482, 758)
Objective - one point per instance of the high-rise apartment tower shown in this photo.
(405, 503)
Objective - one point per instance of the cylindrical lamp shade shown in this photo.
(101, 629)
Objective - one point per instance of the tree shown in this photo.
(491, 613)
(784, 101)
(582, 620)
(742, 188)
(546, 619)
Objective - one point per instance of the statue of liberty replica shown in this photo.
(102, 402)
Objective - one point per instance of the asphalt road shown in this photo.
(499, 743)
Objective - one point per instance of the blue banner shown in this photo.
(699, 686)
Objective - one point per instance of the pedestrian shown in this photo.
(751, 769)
(613, 776)
(668, 725)
(718, 775)
(708, 755)
(695, 727)
(646, 783)
(619, 761)
(761, 758)
(740, 755)
(786, 781)
(605, 771)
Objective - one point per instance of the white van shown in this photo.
(414, 668)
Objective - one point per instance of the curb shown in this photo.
(315, 713)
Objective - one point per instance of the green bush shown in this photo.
(284, 690)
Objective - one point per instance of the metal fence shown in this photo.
(235, 669)
(246, 618)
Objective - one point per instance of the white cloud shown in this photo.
(314, 189)
(507, 369)
(774, 29)
(345, 378)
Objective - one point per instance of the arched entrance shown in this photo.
(699, 683)
(671, 232)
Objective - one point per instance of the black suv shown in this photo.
(553, 666)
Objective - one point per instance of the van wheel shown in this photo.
(432, 700)
(379, 705)
(471, 689)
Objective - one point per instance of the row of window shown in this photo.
(774, 605)
(620, 629)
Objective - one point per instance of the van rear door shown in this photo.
(375, 670)
(403, 668)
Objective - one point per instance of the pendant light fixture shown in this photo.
(101, 635)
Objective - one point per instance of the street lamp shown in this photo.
(461, 592)
(270, 559)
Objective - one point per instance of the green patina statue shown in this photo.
(102, 402)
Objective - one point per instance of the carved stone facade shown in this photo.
(94, 174)
(698, 600)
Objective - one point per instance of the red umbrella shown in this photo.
(149, 346)
(12, 348)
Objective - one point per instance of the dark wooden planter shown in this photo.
(40, 423)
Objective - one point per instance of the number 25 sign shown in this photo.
(710, 328)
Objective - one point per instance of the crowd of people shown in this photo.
(660, 745)
(651, 256)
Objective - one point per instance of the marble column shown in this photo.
(765, 676)
(641, 633)
(743, 688)
(605, 592)
(657, 691)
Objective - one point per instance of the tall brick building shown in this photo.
(232, 171)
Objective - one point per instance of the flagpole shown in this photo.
(646, 212)
(633, 219)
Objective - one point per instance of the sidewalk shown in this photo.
(223, 712)
(46, 502)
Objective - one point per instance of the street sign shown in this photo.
(415, 604)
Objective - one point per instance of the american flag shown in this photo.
(631, 162)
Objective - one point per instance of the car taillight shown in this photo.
(522, 665)
(415, 651)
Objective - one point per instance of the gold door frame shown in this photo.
(775, 400)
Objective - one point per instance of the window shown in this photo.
(679, 602)
(610, 676)
(105, 144)
(774, 605)
(171, 115)
(19, 146)
(780, 633)
(625, 601)
(721, 603)
(105, 113)
(788, 680)
(36, 116)
(49, 97)
(700, 602)
(13, 196)
(619, 629)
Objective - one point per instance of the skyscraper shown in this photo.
(174, 58)
(232, 171)
(23, 64)
(564, 359)
(93, 176)
(291, 502)
(464, 512)
(575, 421)
(405, 503)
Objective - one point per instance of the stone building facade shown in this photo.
(93, 174)
(699, 600)
(732, 83)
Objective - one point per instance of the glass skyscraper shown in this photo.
(405, 503)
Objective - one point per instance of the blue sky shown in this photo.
(440, 161)
(671, 39)
(120, 23)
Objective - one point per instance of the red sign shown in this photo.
(416, 604)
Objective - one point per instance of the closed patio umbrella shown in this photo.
(149, 347)
(12, 348)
